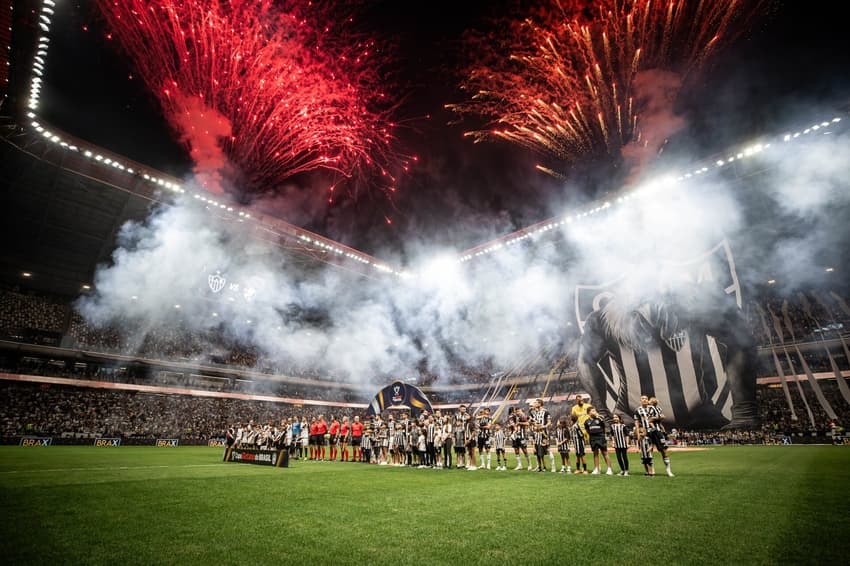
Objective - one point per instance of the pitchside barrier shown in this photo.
(276, 458)
(36, 441)
(164, 442)
(107, 442)
(216, 443)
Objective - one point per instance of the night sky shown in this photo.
(790, 68)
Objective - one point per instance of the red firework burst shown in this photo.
(278, 88)
(561, 81)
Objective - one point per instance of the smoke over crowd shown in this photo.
(782, 210)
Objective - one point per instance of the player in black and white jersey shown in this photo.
(431, 431)
(366, 445)
(541, 422)
(620, 432)
(471, 443)
(460, 441)
(562, 439)
(645, 446)
(577, 434)
(649, 417)
(659, 422)
(484, 422)
(521, 443)
(511, 433)
(448, 441)
(279, 435)
(499, 440)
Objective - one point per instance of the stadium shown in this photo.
(369, 282)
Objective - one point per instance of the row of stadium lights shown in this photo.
(645, 191)
(320, 244)
(38, 71)
(30, 275)
(39, 63)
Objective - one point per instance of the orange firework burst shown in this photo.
(561, 80)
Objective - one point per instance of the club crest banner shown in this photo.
(399, 394)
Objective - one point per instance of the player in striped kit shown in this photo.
(541, 421)
(460, 441)
(521, 438)
(471, 443)
(431, 431)
(483, 440)
(382, 443)
(399, 440)
(499, 439)
(562, 438)
(448, 437)
(577, 434)
(645, 446)
(650, 417)
(621, 444)
(366, 446)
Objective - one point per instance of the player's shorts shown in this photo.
(483, 443)
(579, 448)
(599, 444)
(659, 439)
(646, 461)
(516, 443)
(565, 449)
(355, 440)
(459, 448)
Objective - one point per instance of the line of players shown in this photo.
(438, 441)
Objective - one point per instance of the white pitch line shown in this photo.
(107, 469)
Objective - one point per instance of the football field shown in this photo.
(145, 505)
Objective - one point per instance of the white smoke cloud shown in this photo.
(504, 308)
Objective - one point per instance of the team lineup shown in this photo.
(446, 441)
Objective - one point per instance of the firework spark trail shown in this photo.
(297, 89)
(561, 82)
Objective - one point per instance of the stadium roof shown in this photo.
(66, 222)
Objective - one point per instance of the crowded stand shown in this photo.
(30, 317)
(37, 318)
(72, 411)
(83, 412)
(809, 320)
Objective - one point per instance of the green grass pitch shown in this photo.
(145, 505)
